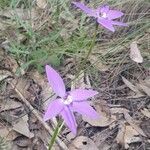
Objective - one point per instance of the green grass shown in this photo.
(4, 3)
(64, 35)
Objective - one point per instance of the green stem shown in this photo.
(92, 45)
(56, 132)
(89, 51)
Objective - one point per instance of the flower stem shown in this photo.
(92, 45)
(89, 51)
(56, 132)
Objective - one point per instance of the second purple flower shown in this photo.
(104, 15)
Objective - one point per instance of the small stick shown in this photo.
(35, 112)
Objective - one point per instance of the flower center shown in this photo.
(103, 15)
(67, 100)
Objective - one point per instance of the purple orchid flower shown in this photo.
(103, 14)
(68, 102)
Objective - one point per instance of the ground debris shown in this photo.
(127, 135)
(135, 53)
(83, 143)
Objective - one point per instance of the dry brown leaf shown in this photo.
(12, 135)
(4, 131)
(11, 64)
(127, 135)
(82, 143)
(131, 121)
(79, 82)
(145, 125)
(7, 132)
(128, 118)
(147, 81)
(144, 85)
(146, 112)
(41, 3)
(23, 142)
(9, 104)
(130, 136)
(22, 127)
(145, 89)
(23, 85)
(46, 92)
(9, 117)
(121, 133)
(135, 53)
(70, 136)
(119, 110)
(132, 87)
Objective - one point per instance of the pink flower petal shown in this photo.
(55, 81)
(106, 23)
(119, 23)
(82, 94)
(113, 14)
(85, 109)
(87, 10)
(54, 108)
(69, 119)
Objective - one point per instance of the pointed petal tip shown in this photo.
(74, 132)
(112, 30)
(69, 119)
(47, 67)
(96, 92)
(55, 81)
